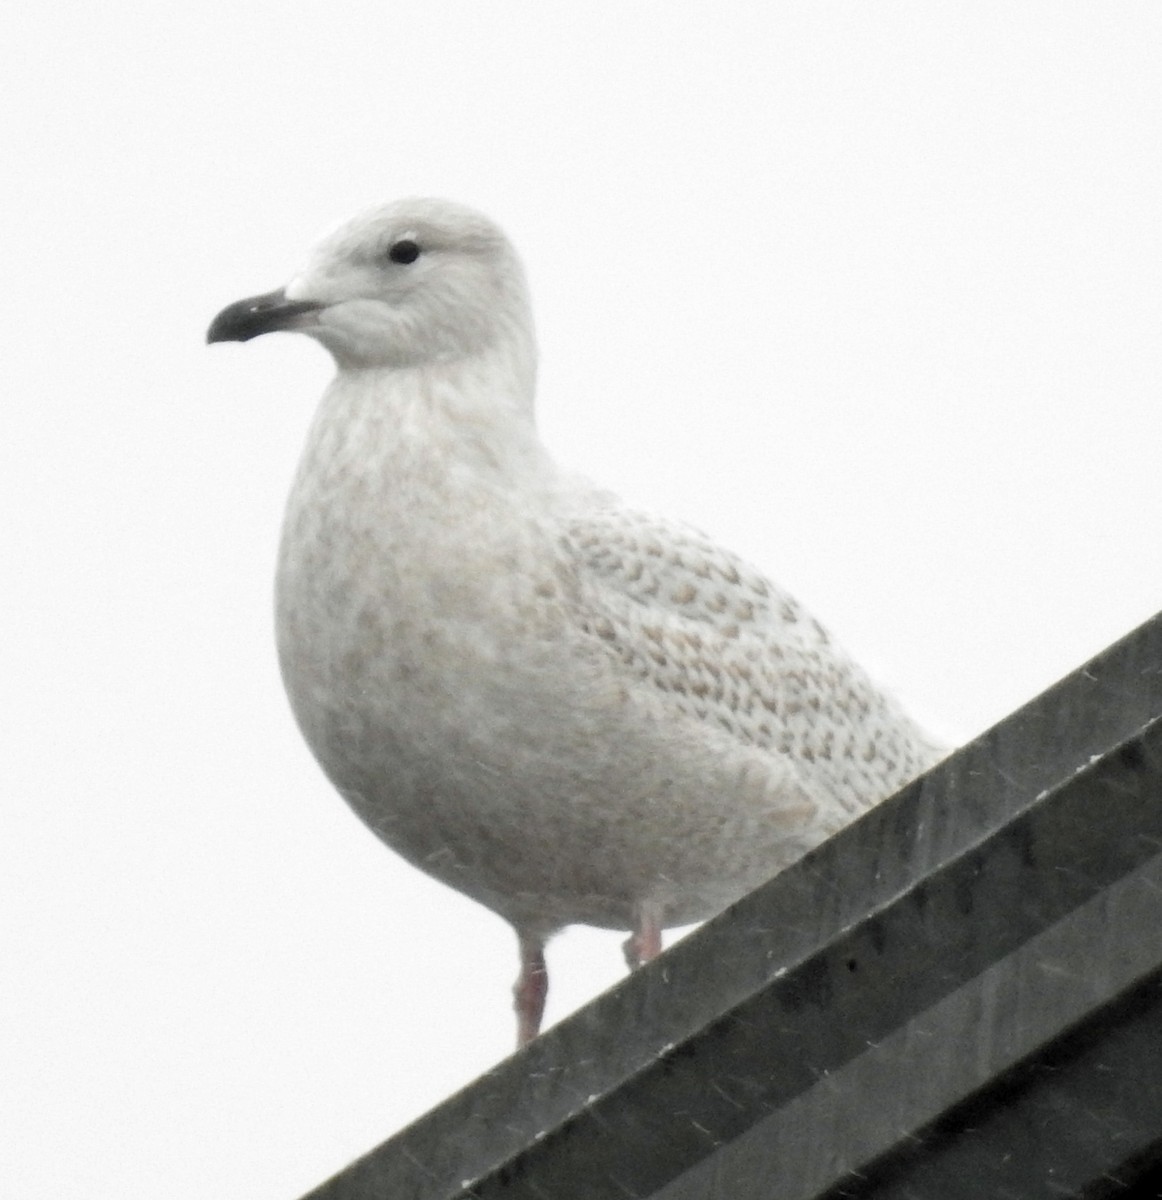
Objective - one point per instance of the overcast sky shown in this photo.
(872, 292)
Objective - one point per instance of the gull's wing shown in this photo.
(723, 645)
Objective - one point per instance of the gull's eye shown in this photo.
(404, 251)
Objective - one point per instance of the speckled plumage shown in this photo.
(569, 711)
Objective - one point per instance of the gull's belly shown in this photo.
(515, 762)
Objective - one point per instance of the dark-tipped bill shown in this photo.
(257, 315)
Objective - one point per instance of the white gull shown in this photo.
(567, 710)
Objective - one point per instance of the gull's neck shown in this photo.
(473, 414)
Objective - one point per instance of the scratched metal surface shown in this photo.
(824, 1036)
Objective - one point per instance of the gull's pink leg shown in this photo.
(532, 986)
(646, 940)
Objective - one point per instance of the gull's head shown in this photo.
(407, 284)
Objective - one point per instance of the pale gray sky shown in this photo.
(871, 292)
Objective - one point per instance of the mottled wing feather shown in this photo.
(725, 646)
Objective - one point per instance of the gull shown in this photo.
(570, 711)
